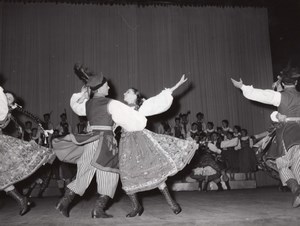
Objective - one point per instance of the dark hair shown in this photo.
(30, 115)
(245, 131)
(166, 125)
(200, 114)
(194, 123)
(230, 133)
(215, 133)
(184, 114)
(211, 123)
(288, 76)
(226, 121)
(139, 98)
(238, 128)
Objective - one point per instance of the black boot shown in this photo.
(44, 184)
(137, 208)
(172, 203)
(23, 201)
(30, 189)
(228, 185)
(98, 211)
(65, 201)
(220, 188)
(204, 185)
(295, 188)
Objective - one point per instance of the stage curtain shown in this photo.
(148, 48)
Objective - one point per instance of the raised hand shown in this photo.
(237, 84)
(182, 80)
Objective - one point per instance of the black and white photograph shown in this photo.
(149, 112)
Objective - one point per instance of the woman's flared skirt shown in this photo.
(20, 159)
(147, 159)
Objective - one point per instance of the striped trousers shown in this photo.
(289, 165)
(107, 182)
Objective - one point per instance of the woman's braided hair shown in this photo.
(30, 115)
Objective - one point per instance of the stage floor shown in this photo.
(262, 206)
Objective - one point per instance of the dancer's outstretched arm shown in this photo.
(182, 80)
(266, 96)
(161, 102)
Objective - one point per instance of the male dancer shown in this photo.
(99, 155)
(287, 153)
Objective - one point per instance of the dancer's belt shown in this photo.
(101, 127)
(292, 119)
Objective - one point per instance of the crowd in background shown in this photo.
(222, 151)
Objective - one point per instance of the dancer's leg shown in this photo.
(172, 203)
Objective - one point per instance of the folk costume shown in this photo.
(147, 159)
(207, 170)
(287, 153)
(95, 152)
(247, 159)
(18, 158)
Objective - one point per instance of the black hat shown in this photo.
(96, 81)
(289, 76)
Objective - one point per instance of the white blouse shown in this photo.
(3, 105)
(266, 96)
(157, 104)
(125, 116)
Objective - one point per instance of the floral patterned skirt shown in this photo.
(147, 159)
(19, 159)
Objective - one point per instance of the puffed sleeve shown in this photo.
(265, 96)
(230, 143)
(3, 105)
(126, 117)
(78, 106)
(157, 104)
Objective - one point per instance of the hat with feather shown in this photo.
(89, 78)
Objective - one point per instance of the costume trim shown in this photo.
(101, 127)
(95, 159)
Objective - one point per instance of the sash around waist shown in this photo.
(101, 127)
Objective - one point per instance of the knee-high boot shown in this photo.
(204, 185)
(228, 185)
(137, 209)
(295, 188)
(45, 183)
(23, 201)
(172, 203)
(63, 204)
(30, 189)
(220, 188)
(98, 211)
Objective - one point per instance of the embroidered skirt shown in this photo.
(20, 159)
(147, 159)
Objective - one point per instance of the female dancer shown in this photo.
(18, 159)
(147, 159)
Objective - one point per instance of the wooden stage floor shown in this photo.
(262, 206)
